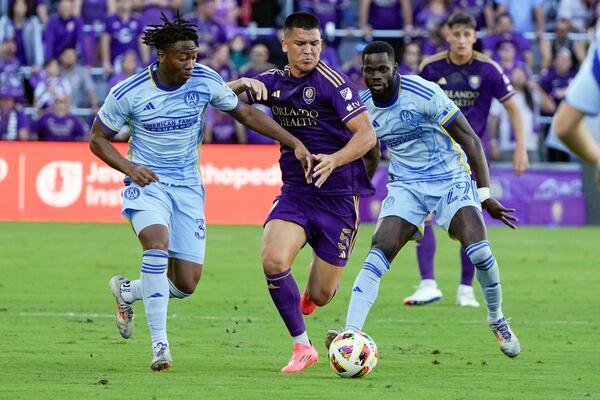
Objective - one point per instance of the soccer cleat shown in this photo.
(161, 357)
(331, 334)
(307, 306)
(465, 297)
(508, 341)
(302, 357)
(124, 317)
(426, 293)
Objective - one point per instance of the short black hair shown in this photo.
(302, 20)
(462, 18)
(379, 46)
(170, 32)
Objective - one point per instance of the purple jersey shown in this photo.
(475, 8)
(471, 86)
(60, 34)
(315, 109)
(385, 14)
(428, 20)
(556, 85)
(11, 122)
(223, 126)
(52, 128)
(329, 11)
(151, 14)
(123, 34)
(491, 43)
(93, 11)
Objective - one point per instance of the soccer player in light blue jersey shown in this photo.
(583, 98)
(163, 198)
(430, 144)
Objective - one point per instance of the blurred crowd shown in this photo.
(59, 58)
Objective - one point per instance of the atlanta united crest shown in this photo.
(474, 81)
(308, 95)
(192, 99)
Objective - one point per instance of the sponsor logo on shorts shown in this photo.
(131, 193)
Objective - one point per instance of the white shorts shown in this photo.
(180, 208)
(414, 201)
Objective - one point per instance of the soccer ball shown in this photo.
(353, 354)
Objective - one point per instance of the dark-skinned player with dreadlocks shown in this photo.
(163, 196)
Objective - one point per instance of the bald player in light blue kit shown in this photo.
(163, 198)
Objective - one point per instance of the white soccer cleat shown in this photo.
(426, 293)
(508, 341)
(124, 317)
(465, 296)
(161, 357)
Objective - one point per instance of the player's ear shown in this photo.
(161, 55)
(395, 68)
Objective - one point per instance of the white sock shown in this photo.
(488, 275)
(365, 289)
(155, 289)
(176, 293)
(132, 291)
(302, 339)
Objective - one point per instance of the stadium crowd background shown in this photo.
(58, 59)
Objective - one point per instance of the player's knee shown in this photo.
(480, 255)
(321, 296)
(156, 244)
(274, 261)
(188, 286)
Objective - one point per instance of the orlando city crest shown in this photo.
(309, 94)
(474, 81)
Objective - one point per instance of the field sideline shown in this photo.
(59, 338)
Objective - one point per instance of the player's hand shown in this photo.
(325, 166)
(499, 212)
(306, 159)
(256, 87)
(520, 162)
(142, 175)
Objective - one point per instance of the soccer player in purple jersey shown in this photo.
(317, 104)
(471, 80)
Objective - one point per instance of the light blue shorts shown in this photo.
(414, 201)
(180, 208)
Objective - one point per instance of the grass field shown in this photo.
(59, 340)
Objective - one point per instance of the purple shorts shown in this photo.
(330, 222)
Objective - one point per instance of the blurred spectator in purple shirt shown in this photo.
(436, 41)
(411, 58)
(227, 12)
(482, 10)
(352, 68)
(92, 13)
(385, 14)
(434, 13)
(151, 10)
(219, 61)
(507, 58)
(22, 25)
(210, 31)
(63, 30)
(9, 69)
(50, 85)
(504, 32)
(128, 67)
(60, 125)
(550, 48)
(220, 128)
(259, 61)
(557, 79)
(338, 12)
(123, 32)
(13, 122)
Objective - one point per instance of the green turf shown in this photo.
(228, 341)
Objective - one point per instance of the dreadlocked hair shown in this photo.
(164, 36)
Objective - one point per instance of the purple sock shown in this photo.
(426, 252)
(467, 269)
(286, 296)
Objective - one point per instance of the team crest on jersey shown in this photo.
(192, 99)
(131, 193)
(388, 202)
(474, 81)
(308, 95)
(406, 116)
(346, 93)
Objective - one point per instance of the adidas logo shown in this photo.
(149, 106)
(155, 295)
(357, 290)
(271, 286)
(276, 94)
(376, 124)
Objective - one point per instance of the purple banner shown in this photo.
(541, 196)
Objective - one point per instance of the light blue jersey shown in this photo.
(584, 91)
(412, 126)
(166, 122)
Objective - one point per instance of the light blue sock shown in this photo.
(366, 286)
(155, 289)
(488, 275)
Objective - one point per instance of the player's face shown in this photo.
(379, 72)
(179, 60)
(461, 39)
(303, 48)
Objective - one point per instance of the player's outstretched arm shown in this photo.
(461, 131)
(100, 144)
(259, 121)
(239, 87)
(569, 126)
(363, 139)
(520, 159)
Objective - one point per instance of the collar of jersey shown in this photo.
(394, 97)
(152, 72)
(288, 74)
